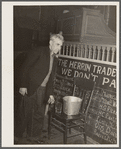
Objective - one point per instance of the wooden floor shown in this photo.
(56, 138)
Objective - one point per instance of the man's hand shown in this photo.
(51, 100)
(23, 91)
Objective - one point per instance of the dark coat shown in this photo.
(35, 69)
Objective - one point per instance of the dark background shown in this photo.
(33, 24)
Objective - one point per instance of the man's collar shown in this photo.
(54, 55)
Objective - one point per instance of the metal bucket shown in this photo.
(71, 105)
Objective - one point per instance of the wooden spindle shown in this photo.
(66, 49)
(113, 54)
(63, 49)
(85, 52)
(74, 49)
(103, 53)
(78, 50)
(98, 54)
(82, 49)
(90, 50)
(108, 50)
(70, 49)
(94, 50)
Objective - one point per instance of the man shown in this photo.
(36, 80)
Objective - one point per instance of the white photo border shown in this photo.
(7, 134)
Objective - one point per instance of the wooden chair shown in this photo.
(83, 88)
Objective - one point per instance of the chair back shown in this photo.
(83, 88)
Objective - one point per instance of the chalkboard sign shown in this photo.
(101, 122)
(63, 86)
(102, 114)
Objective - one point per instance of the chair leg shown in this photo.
(65, 136)
(69, 128)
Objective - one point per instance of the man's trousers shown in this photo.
(31, 113)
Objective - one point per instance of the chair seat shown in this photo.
(68, 121)
(63, 117)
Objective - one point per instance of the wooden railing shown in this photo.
(105, 53)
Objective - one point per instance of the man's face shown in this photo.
(55, 45)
